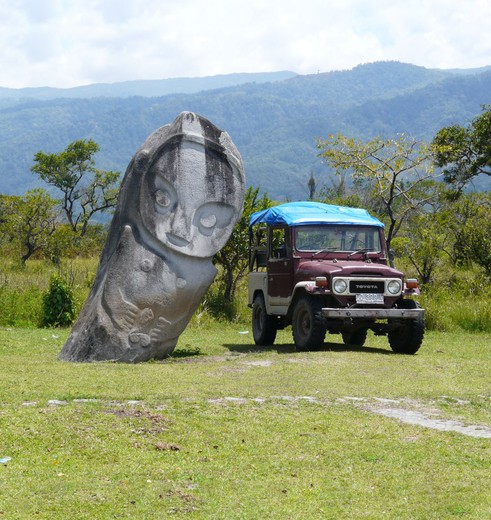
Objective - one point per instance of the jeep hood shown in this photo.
(312, 268)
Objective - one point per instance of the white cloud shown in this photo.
(71, 42)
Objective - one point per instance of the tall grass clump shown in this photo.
(19, 306)
(475, 317)
(462, 303)
(219, 308)
(20, 294)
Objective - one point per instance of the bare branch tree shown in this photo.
(400, 172)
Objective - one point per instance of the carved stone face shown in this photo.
(190, 195)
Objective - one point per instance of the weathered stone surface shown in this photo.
(180, 198)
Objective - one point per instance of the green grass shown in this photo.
(225, 430)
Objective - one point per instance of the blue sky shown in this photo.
(65, 43)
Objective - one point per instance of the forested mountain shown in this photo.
(274, 124)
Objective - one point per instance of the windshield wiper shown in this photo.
(364, 250)
(325, 250)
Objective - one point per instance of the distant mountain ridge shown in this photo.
(145, 88)
(275, 124)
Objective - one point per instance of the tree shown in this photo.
(312, 185)
(457, 216)
(464, 152)
(234, 257)
(86, 190)
(29, 220)
(459, 230)
(399, 173)
(354, 195)
(424, 244)
(65, 243)
(475, 233)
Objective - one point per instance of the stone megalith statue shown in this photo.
(179, 200)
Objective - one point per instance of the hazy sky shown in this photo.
(64, 43)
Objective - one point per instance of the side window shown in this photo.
(279, 246)
(258, 248)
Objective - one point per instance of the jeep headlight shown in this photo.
(340, 285)
(394, 287)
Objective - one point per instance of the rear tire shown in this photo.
(407, 339)
(357, 337)
(308, 325)
(263, 325)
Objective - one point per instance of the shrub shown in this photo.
(59, 306)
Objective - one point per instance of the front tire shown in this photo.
(407, 339)
(263, 325)
(308, 326)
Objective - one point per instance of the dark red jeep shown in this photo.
(323, 268)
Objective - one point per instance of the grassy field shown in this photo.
(225, 431)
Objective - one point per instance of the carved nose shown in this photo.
(179, 233)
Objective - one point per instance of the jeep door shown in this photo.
(280, 267)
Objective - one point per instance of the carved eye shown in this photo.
(213, 216)
(208, 221)
(162, 198)
(165, 196)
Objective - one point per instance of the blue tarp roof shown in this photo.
(303, 213)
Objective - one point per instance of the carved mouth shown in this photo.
(177, 241)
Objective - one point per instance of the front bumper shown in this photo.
(376, 314)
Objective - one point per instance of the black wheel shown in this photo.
(308, 326)
(356, 337)
(263, 325)
(408, 338)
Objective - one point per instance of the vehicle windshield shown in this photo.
(339, 238)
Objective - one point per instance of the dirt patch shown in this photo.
(227, 400)
(166, 446)
(159, 423)
(407, 411)
(203, 359)
(244, 400)
(422, 419)
(259, 363)
(410, 411)
(155, 418)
